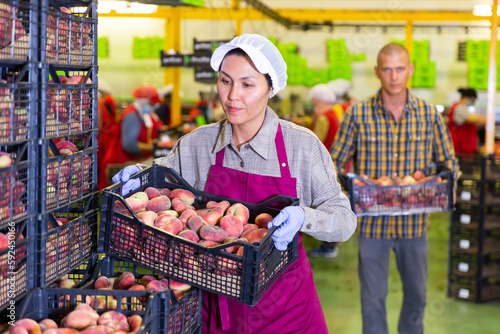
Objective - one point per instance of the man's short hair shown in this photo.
(392, 49)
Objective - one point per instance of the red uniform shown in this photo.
(464, 136)
(326, 135)
(116, 154)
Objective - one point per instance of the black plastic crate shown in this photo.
(18, 103)
(474, 216)
(469, 191)
(464, 264)
(67, 178)
(61, 248)
(69, 32)
(162, 313)
(18, 30)
(16, 271)
(472, 166)
(370, 199)
(493, 168)
(475, 242)
(69, 102)
(17, 183)
(474, 290)
(244, 278)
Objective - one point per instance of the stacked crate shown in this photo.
(39, 41)
(474, 261)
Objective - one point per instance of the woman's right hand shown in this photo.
(124, 176)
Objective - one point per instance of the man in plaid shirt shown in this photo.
(394, 133)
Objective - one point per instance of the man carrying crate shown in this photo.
(394, 133)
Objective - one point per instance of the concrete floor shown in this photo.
(338, 288)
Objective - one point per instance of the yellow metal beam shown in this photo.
(492, 82)
(329, 15)
(173, 74)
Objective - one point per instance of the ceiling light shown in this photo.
(483, 10)
(122, 7)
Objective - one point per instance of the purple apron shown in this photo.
(291, 304)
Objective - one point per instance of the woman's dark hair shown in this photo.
(241, 53)
(468, 92)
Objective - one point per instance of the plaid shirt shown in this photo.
(384, 147)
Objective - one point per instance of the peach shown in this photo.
(263, 219)
(20, 330)
(231, 249)
(195, 223)
(258, 235)
(31, 326)
(124, 281)
(87, 308)
(52, 331)
(179, 294)
(165, 192)
(240, 211)
(119, 207)
(211, 216)
(102, 282)
(98, 329)
(168, 212)
(157, 286)
(159, 203)
(408, 179)
(177, 285)
(240, 251)
(67, 283)
(72, 148)
(148, 217)
(179, 205)
(137, 201)
(384, 181)
(49, 323)
(189, 235)
(185, 195)
(232, 225)
(418, 175)
(185, 215)
(208, 243)
(169, 224)
(214, 233)
(189, 263)
(146, 279)
(79, 320)
(247, 229)
(137, 287)
(152, 192)
(115, 320)
(135, 322)
(68, 330)
(224, 205)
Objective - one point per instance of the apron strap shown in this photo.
(219, 157)
(280, 149)
(224, 312)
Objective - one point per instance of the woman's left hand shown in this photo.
(289, 222)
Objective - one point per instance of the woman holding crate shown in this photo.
(251, 156)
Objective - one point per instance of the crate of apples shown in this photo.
(410, 194)
(211, 242)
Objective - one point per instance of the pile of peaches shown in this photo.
(11, 188)
(411, 192)
(172, 211)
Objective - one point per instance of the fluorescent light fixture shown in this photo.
(483, 10)
(122, 7)
(471, 109)
(79, 10)
(439, 107)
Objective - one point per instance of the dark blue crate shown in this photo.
(243, 278)
(16, 267)
(162, 313)
(69, 38)
(61, 249)
(17, 184)
(19, 41)
(474, 290)
(67, 178)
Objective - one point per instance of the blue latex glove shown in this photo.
(124, 176)
(289, 220)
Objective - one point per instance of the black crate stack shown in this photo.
(48, 136)
(474, 261)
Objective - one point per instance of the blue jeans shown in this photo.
(373, 269)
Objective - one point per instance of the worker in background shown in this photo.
(108, 100)
(325, 125)
(252, 156)
(135, 133)
(341, 88)
(394, 133)
(163, 109)
(463, 122)
(106, 121)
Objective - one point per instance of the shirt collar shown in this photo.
(260, 143)
(411, 101)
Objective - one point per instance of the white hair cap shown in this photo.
(165, 91)
(323, 92)
(340, 87)
(263, 53)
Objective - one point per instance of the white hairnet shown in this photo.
(167, 90)
(323, 92)
(264, 54)
(103, 87)
(340, 87)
